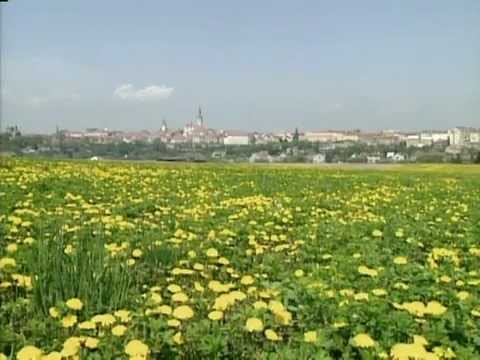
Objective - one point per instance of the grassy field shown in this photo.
(134, 261)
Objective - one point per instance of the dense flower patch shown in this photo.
(137, 261)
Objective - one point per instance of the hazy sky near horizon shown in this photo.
(252, 65)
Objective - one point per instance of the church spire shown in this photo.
(200, 117)
(164, 125)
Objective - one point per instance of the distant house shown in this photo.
(261, 138)
(453, 149)
(178, 138)
(235, 137)
(318, 158)
(282, 157)
(28, 150)
(380, 138)
(373, 159)
(218, 154)
(261, 156)
(323, 136)
(419, 141)
(393, 156)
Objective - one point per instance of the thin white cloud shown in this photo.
(152, 92)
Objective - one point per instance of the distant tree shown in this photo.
(477, 158)
(456, 159)
(296, 136)
(13, 131)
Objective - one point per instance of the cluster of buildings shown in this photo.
(194, 132)
(197, 132)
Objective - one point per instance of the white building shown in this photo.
(261, 156)
(439, 136)
(318, 158)
(463, 136)
(373, 159)
(426, 138)
(393, 156)
(235, 137)
(328, 136)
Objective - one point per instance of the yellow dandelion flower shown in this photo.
(223, 261)
(131, 262)
(283, 317)
(54, 355)
(155, 298)
(379, 292)
(299, 273)
(212, 252)
(310, 337)
(69, 320)
(271, 335)
(123, 315)
(198, 267)
(400, 260)
(363, 341)
(463, 295)
(174, 323)
(177, 338)
(183, 312)
(87, 325)
(443, 353)
(435, 308)
(276, 306)
(475, 313)
(91, 342)
(217, 286)
(74, 304)
(137, 348)
(198, 287)
(247, 280)
(104, 319)
(178, 271)
(215, 315)
(254, 325)
(180, 297)
(29, 352)
(238, 295)
(401, 286)
(260, 305)
(6, 261)
(54, 313)
(11, 248)
(377, 233)
(364, 270)
(137, 253)
(71, 346)
(339, 324)
(68, 249)
(361, 296)
(173, 288)
(119, 330)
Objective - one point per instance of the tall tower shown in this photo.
(200, 117)
(164, 126)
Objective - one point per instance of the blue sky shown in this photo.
(263, 65)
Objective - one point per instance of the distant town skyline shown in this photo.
(253, 66)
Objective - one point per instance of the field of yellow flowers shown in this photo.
(137, 261)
